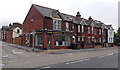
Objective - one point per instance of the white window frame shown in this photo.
(100, 32)
(92, 30)
(88, 30)
(82, 28)
(100, 39)
(78, 28)
(67, 26)
(57, 25)
(73, 27)
(78, 38)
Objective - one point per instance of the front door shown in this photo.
(49, 42)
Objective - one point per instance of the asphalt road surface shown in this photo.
(106, 61)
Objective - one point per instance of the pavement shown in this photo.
(56, 51)
(28, 49)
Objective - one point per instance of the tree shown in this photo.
(116, 37)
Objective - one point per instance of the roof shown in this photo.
(109, 26)
(5, 27)
(49, 12)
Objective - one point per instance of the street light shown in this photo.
(33, 32)
(33, 39)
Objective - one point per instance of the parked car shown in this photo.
(118, 44)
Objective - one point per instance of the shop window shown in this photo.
(62, 40)
(39, 40)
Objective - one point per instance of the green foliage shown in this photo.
(116, 37)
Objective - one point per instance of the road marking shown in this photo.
(101, 56)
(2, 64)
(16, 52)
(111, 54)
(6, 56)
(77, 61)
(87, 59)
(67, 63)
(106, 55)
(46, 67)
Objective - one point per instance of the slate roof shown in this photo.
(5, 27)
(48, 12)
(109, 26)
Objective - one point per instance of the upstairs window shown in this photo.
(56, 24)
(72, 27)
(99, 31)
(78, 28)
(67, 26)
(88, 30)
(18, 31)
(82, 29)
(92, 30)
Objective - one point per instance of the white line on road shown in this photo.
(6, 56)
(16, 52)
(101, 56)
(77, 61)
(2, 64)
(46, 67)
(111, 54)
(106, 55)
(87, 59)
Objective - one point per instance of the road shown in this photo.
(105, 61)
(17, 58)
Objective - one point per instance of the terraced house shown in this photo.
(50, 29)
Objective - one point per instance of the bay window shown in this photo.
(62, 40)
(56, 24)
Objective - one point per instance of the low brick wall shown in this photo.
(110, 45)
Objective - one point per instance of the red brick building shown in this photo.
(50, 29)
(8, 33)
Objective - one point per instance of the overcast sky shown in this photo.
(103, 10)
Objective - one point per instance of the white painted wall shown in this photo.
(110, 35)
(15, 34)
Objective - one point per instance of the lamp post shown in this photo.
(33, 40)
(33, 33)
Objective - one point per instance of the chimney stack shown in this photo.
(78, 16)
(90, 18)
